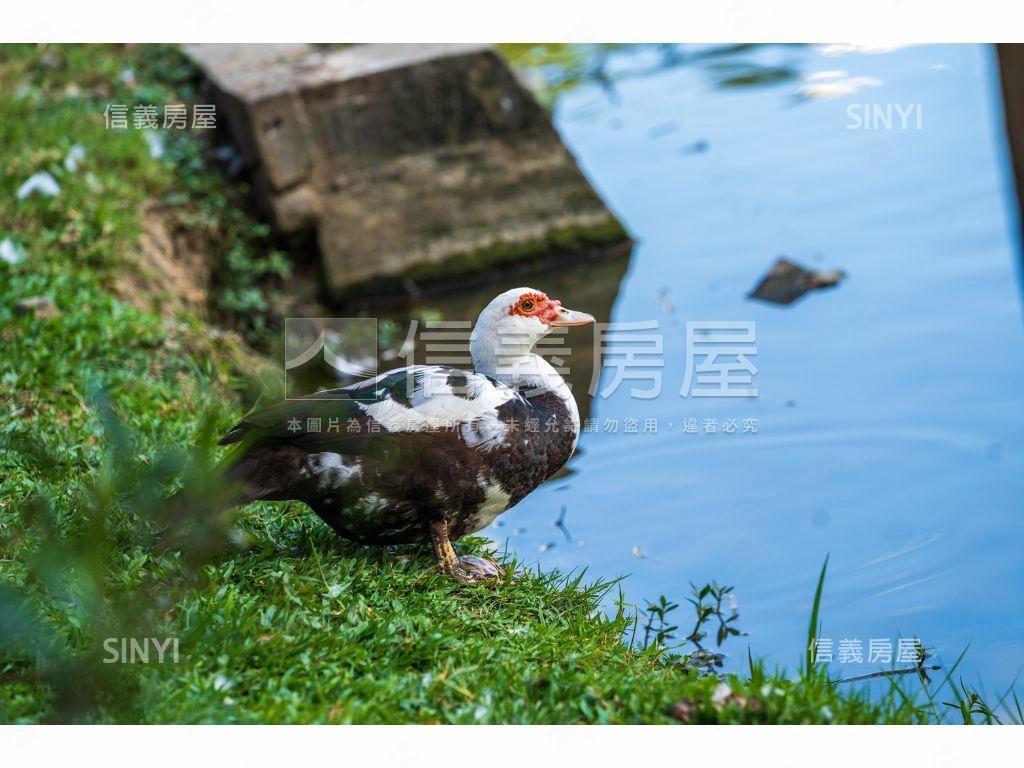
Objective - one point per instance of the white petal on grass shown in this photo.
(43, 183)
(10, 252)
(721, 694)
(221, 683)
(26, 91)
(75, 155)
(155, 143)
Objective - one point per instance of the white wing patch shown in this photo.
(486, 432)
(333, 470)
(434, 404)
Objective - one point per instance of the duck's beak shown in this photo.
(570, 317)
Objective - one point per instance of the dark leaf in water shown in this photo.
(787, 281)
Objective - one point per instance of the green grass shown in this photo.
(277, 620)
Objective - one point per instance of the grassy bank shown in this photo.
(273, 618)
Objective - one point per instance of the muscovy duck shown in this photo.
(427, 451)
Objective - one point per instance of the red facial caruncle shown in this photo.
(536, 305)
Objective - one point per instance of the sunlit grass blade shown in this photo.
(812, 627)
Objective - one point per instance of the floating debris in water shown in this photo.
(11, 252)
(694, 148)
(833, 83)
(662, 129)
(666, 302)
(787, 281)
(43, 183)
(75, 155)
(560, 525)
(841, 49)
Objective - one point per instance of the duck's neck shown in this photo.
(527, 370)
(530, 374)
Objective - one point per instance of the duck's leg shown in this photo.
(466, 569)
(447, 560)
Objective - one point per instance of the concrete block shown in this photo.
(423, 162)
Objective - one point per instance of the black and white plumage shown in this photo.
(423, 452)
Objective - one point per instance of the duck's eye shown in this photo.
(527, 305)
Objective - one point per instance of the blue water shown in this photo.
(890, 415)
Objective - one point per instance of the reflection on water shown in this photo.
(890, 426)
(556, 68)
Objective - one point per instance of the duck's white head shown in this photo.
(510, 325)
